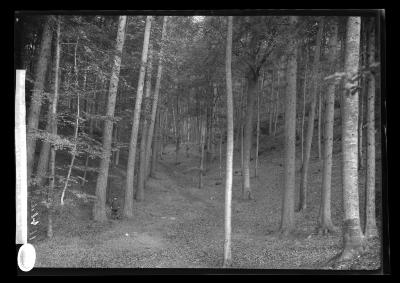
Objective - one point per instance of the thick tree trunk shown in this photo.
(229, 149)
(155, 97)
(287, 222)
(352, 235)
(325, 220)
(311, 117)
(99, 211)
(370, 223)
(36, 101)
(130, 171)
(139, 196)
(248, 133)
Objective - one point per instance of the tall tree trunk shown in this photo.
(276, 112)
(99, 212)
(155, 97)
(139, 196)
(319, 123)
(258, 128)
(352, 235)
(36, 100)
(271, 107)
(202, 143)
(229, 148)
(303, 112)
(73, 152)
(54, 132)
(130, 171)
(156, 145)
(370, 223)
(287, 223)
(311, 115)
(248, 133)
(325, 220)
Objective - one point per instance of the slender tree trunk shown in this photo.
(130, 171)
(276, 112)
(258, 128)
(325, 220)
(319, 123)
(287, 223)
(73, 152)
(229, 149)
(303, 112)
(36, 101)
(311, 115)
(54, 132)
(156, 146)
(370, 223)
(202, 143)
(352, 235)
(139, 196)
(271, 106)
(156, 94)
(248, 132)
(99, 212)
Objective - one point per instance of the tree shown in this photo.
(352, 235)
(325, 221)
(155, 97)
(130, 170)
(229, 147)
(139, 196)
(287, 222)
(36, 100)
(99, 212)
(311, 117)
(370, 223)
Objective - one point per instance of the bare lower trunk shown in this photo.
(36, 101)
(248, 133)
(352, 235)
(130, 171)
(311, 117)
(287, 221)
(370, 223)
(325, 220)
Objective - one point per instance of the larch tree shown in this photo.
(36, 100)
(130, 170)
(287, 221)
(99, 211)
(352, 234)
(325, 220)
(229, 147)
(370, 223)
(311, 117)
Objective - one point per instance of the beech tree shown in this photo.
(325, 220)
(99, 212)
(130, 171)
(287, 222)
(229, 147)
(352, 235)
(311, 117)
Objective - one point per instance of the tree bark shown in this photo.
(271, 106)
(99, 212)
(287, 222)
(248, 133)
(130, 171)
(139, 196)
(258, 128)
(36, 101)
(303, 112)
(325, 220)
(229, 149)
(156, 93)
(370, 223)
(352, 235)
(311, 117)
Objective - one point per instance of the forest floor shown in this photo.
(179, 225)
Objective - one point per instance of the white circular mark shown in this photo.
(26, 257)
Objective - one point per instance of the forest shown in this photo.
(203, 141)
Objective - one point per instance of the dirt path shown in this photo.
(179, 225)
